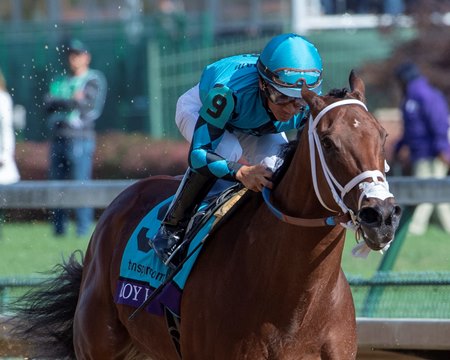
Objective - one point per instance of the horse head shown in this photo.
(347, 143)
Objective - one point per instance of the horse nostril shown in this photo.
(394, 219)
(397, 210)
(369, 217)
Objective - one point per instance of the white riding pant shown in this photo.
(233, 146)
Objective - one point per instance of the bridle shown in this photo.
(348, 218)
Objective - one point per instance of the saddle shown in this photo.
(218, 202)
(144, 280)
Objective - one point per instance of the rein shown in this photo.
(347, 218)
(328, 221)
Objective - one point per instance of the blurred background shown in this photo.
(151, 51)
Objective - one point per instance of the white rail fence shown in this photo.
(60, 194)
(99, 193)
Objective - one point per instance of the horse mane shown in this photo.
(287, 151)
(338, 93)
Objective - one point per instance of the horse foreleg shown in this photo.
(341, 343)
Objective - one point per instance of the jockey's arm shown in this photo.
(202, 155)
(216, 111)
(203, 159)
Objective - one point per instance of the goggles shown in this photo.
(274, 76)
(279, 98)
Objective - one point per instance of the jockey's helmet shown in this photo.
(288, 61)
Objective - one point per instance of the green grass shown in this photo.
(429, 252)
(31, 248)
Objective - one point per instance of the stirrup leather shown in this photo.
(190, 193)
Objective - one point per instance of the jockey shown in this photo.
(235, 119)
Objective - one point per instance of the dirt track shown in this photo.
(10, 349)
(368, 354)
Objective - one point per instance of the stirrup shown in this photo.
(166, 241)
(170, 255)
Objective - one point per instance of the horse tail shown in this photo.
(43, 317)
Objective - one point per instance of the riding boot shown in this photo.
(192, 190)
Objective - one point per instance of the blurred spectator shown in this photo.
(328, 7)
(8, 168)
(168, 6)
(426, 126)
(390, 7)
(73, 104)
(393, 7)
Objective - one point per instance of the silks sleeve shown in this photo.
(216, 111)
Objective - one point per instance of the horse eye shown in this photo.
(326, 142)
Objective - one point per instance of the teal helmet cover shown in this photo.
(289, 60)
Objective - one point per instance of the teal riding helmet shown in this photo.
(288, 61)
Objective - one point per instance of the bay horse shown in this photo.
(268, 283)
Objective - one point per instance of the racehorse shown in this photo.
(268, 283)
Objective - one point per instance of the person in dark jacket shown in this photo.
(426, 135)
(73, 104)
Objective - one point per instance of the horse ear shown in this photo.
(357, 86)
(314, 101)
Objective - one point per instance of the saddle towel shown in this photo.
(141, 270)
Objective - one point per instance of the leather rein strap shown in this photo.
(328, 221)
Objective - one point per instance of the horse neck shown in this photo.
(295, 196)
(295, 192)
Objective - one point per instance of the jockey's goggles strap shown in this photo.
(275, 77)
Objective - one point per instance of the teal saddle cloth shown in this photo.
(141, 270)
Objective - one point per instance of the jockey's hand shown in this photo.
(255, 177)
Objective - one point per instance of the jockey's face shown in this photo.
(283, 107)
(286, 111)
